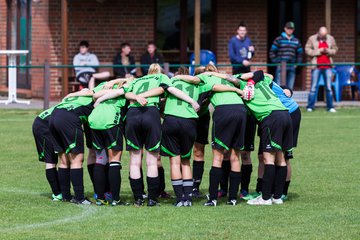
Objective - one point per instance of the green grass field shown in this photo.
(323, 199)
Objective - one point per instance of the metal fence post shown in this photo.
(283, 73)
(166, 68)
(46, 84)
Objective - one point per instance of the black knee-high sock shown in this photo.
(136, 188)
(161, 179)
(115, 179)
(188, 187)
(100, 180)
(245, 177)
(280, 178)
(142, 181)
(153, 187)
(235, 179)
(52, 178)
(107, 183)
(259, 185)
(64, 180)
(268, 179)
(198, 171)
(178, 189)
(286, 187)
(76, 177)
(215, 177)
(90, 168)
(226, 167)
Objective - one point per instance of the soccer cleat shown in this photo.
(232, 202)
(222, 193)
(188, 203)
(277, 201)
(259, 201)
(95, 196)
(84, 201)
(309, 109)
(244, 195)
(332, 110)
(144, 196)
(101, 202)
(179, 204)
(211, 203)
(139, 202)
(284, 197)
(255, 195)
(119, 203)
(196, 193)
(57, 198)
(164, 194)
(152, 203)
(108, 196)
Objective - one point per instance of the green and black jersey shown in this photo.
(177, 107)
(147, 83)
(81, 106)
(46, 114)
(107, 114)
(265, 100)
(217, 98)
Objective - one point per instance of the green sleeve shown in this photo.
(128, 88)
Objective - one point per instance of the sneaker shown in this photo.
(164, 194)
(119, 203)
(211, 203)
(284, 197)
(255, 195)
(108, 196)
(259, 201)
(196, 193)
(84, 201)
(152, 203)
(332, 110)
(179, 204)
(244, 195)
(309, 109)
(101, 202)
(139, 202)
(277, 201)
(222, 193)
(187, 203)
(232, 202)
(57, 198)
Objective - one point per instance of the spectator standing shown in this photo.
(321, 47)
(125, 59)
(286, 47)
(241, 50)
(150, 56)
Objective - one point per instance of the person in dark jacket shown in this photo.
(286, 47)
(124, 58)
(241, 50)
(149, 57)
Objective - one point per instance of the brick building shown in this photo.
(36, 25)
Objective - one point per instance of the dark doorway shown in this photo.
(280, 12)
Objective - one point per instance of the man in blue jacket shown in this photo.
(241, 50)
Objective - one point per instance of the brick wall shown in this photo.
(229, 14)
(3, 16)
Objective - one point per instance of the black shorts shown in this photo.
(44, 141)
(143, 128)
(276, 132)
(111, 138)
(66, 128)
(250, 132)
(202, 129)
(178, 136)
(296, 119)
(88, 135)
(229, 123)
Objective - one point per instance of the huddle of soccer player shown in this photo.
(131, 109)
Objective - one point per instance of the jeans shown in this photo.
(315, 77)
(290, 76)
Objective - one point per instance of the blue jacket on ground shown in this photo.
(238, 49)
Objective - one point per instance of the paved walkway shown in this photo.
(38, 104)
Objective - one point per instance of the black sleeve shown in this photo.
(258, 76)
(117, 71)
(144, 61)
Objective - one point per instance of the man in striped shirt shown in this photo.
(286, 47)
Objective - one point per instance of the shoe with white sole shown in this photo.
(277, 201)
(309, 109)
(332, 110)
(259, 201)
